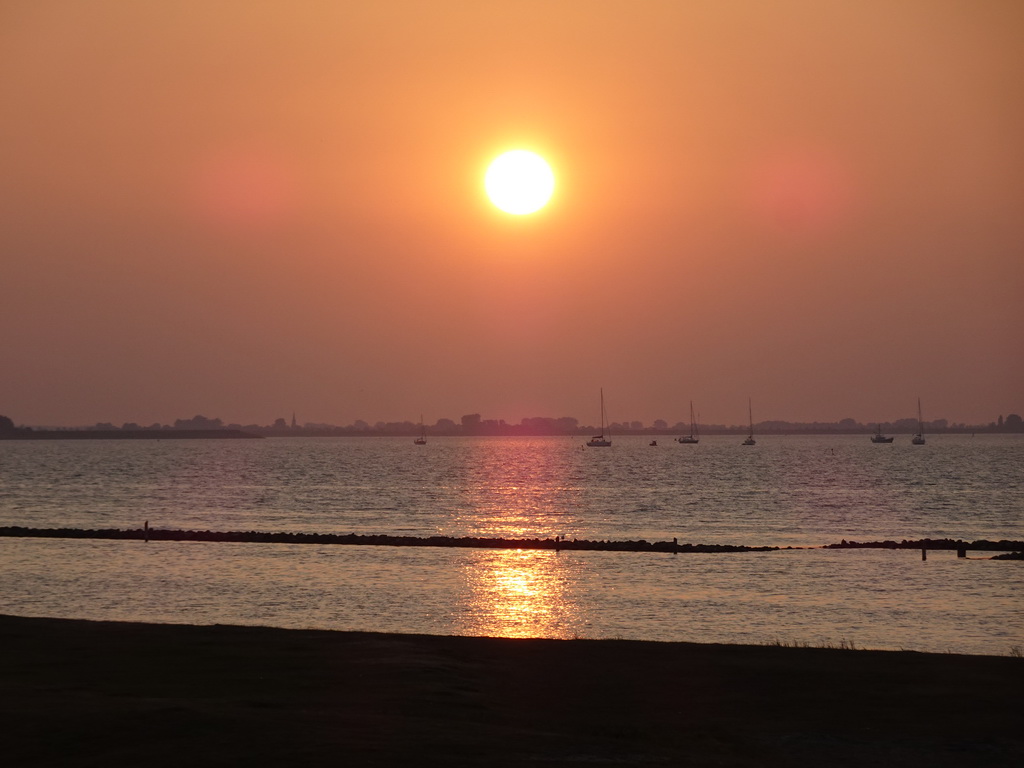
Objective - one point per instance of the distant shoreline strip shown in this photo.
(128, 434)
(474, 542)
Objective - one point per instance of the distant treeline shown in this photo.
(474, 425)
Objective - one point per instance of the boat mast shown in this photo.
(602, 411)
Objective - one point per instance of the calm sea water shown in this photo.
(785, 491)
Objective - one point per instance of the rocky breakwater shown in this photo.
(264, 537)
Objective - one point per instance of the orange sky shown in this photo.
(244, 209)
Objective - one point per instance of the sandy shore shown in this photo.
(114, 694)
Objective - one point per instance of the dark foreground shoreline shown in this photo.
(119, 694)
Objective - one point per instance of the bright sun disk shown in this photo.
(519, 182)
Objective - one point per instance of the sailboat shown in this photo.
(918, 439)
(692, 437)
(750, 438)
(878, 437)
(422, 439)
(600, 441)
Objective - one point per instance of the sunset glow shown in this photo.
(497, 208)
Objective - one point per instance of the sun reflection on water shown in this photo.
(517, 491)
(520, 593)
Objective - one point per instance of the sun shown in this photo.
(519, 182)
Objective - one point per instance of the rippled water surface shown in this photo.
(786, 491)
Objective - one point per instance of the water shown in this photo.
(786, 491)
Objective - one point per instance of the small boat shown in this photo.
(692, 438)
(918, 439)
(653, 443)
(878, 437)
(600, 441)
(750, 438)
(422, 439)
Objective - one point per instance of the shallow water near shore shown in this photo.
(786, 491)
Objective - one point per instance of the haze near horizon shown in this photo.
(249, 209)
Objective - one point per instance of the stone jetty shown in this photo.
(264, 537)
